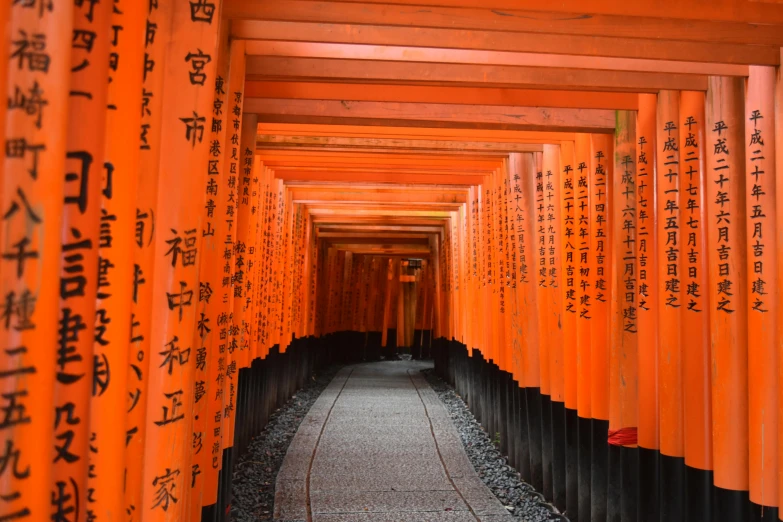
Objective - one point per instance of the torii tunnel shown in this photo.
(570, 206)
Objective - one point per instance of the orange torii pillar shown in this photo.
(646, 310)
(726, 242)
(78, 285)
(763, 293)
(585, 283)
(31, 206)
(623, 397)
(149, 136)
(695, 333)
(187, 100)
(115, 265)
(778, 245)
(670, 383)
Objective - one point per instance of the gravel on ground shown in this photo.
(519, 497)
(255, 474)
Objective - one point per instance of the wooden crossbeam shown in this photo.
(391, 145)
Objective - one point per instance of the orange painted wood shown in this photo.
(569, 272)
(727, 280)
(566, 43)
(543, 283)
(116, 265)
(601, 165)
(441, 94)
(211, 332)
(514, 213)
(647, 233)
(404, 53)
(245, 221)
(187, 103)
(139, 354)
(763, 294)
(778, 245)
(586, 279)
(551, 171)
(670, 278)
(299, 69)
(32, 188)
(80, 239)
(695, 335)
(431, 115)
(623, 382)
(513, 20)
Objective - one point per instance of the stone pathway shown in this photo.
(378, 446)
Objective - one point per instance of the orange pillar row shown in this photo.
(73, 389)
(762, 287)
(778, 223)
(728, 292)
(670, 304)
(647, 304)
(149, 136)
(31, 205)
(187, 102)
(243, 154)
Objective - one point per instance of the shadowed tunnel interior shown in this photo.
(570, 206)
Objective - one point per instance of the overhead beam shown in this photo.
(513, 20)
(443, 94)
(431, 114)
(265, 141)
(379, 177)
(448, 38)
(319, 69)
(407, 53)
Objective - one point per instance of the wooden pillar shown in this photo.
(584, 323)
(187, 101)
(762, 288)
(670, 283)
(139, 354)
(31, 205)
(726, 240)
(245, 219)
(695, 334)
(601, 154)
(779, 267)
(623, 383)
(80, 230)
(647, 309)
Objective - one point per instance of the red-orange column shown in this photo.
(569, 272)
(108, 422)
(601, 155)
(245, 219)
(763, 298)
(623, 404)
(552, 210)
(149, 137)
(38, 59)
(670, 383)
(209, 345)
(779, 272)
(514, 214)
(695, 334)
(728, 291)
(647, 303)
(78, 284)
(187, 103)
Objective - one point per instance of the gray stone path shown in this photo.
(378, 446)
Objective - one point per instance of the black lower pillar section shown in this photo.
(759, 513)
(523, 436)
(572, 464)
(585, 441)
(672, 488)
(546, 444)
(730, 505)
(599, 467)
(630, 484)
(559, 455)
(698, 494)
(649, 476)
(614, 485)
(534, 432)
